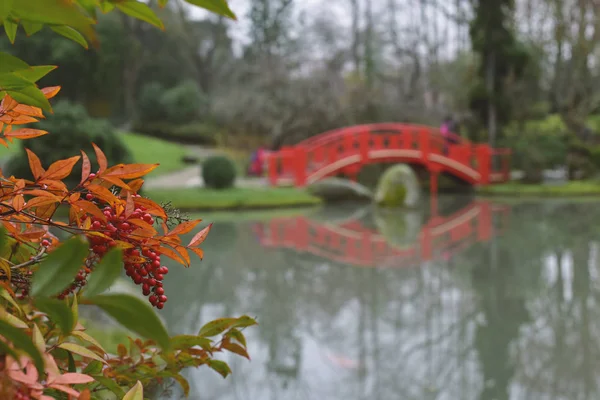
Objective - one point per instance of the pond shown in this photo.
(484, 301)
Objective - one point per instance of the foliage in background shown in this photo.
(218, 172)
(45, 352)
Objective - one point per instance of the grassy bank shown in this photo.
(567, 189)
(144, 149)
(200, 199)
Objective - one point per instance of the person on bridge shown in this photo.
(445, 130)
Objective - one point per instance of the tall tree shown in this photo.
(501, 58)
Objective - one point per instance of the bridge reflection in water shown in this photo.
(353, 243)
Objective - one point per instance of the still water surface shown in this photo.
(487, 301)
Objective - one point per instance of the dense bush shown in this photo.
(537, 145)
(178, 105)
(218, 172)
(72, 129)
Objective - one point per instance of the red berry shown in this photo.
(159, 277)
(45, 243)
(152, 282)
(143, 272)
(156, 263)
(92, 175)
(162, 298)
(164, 270)
(89, 196)
(96, 225)
(159, 291)
(160, 306)
(153, 299)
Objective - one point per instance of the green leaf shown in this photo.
(82, 351)
(5, 7)
(10, 28)
(58, 312)
(6, 296)
(220, 366)
(54, 12)
(162, 3)
(85, 337)
(105, 273)
(135, 393)
(59, 268)
(22, 341)
(12, 81)
(110, 385)
(220, 325)
(140, 11)
(237, 335)
(70, 33)
(89, 6)
(34, 74)
(93, 368)
(135, 315)
(72, 367)
(31, 96)
(182, 342)
(10, 63)
(106, 7)
(217, 6)
(31, 28)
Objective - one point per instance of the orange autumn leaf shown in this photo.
(129, 206)
(115, 181)
(18, 202)
(185, 227)
(35, 164)
(182, 251)
(171, 254)
(142, 224)
(151, 207)
(16, 119)
(198, 251)
(42, 201)
(31, 111)
(135, 185)
(86, 168)
(33, 233)
(61, 168)
(25, 133)
(129, 171)
(199, 237)
(46, 211)
(101, 158)
(90, 208)
(102, 193)
(51, 91)
(7, 104)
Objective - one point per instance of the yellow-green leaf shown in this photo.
(34, 74)
(141, 11)
(135, 393)
(84, 336)
(75, 311)
(38, 339)
(12, 319)
(181, 342)
(220, 366)
(82, 351)
(70, 33)
(10, 63)
(5, 7)
(31, 28)
(10, 28)
(31, 96)
(217, 6)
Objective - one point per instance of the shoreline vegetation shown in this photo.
(589, 188)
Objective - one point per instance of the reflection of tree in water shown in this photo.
(413, 333)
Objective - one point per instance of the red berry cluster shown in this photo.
(148, 273)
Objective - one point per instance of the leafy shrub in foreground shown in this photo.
(73, 130)
(45, 352)
(218, 172)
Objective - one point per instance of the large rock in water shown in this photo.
(398, 187)
(337, 189)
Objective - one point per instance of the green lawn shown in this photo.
(575, 188)
(145, 150)
(231, 199)
(148, 150)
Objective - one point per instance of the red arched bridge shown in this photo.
(352, 244)
(346, 150)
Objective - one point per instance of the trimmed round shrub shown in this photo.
(71, 129)
(218, 172)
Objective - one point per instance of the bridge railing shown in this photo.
(347, 150)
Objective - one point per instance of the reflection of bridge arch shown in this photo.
(353, 244)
